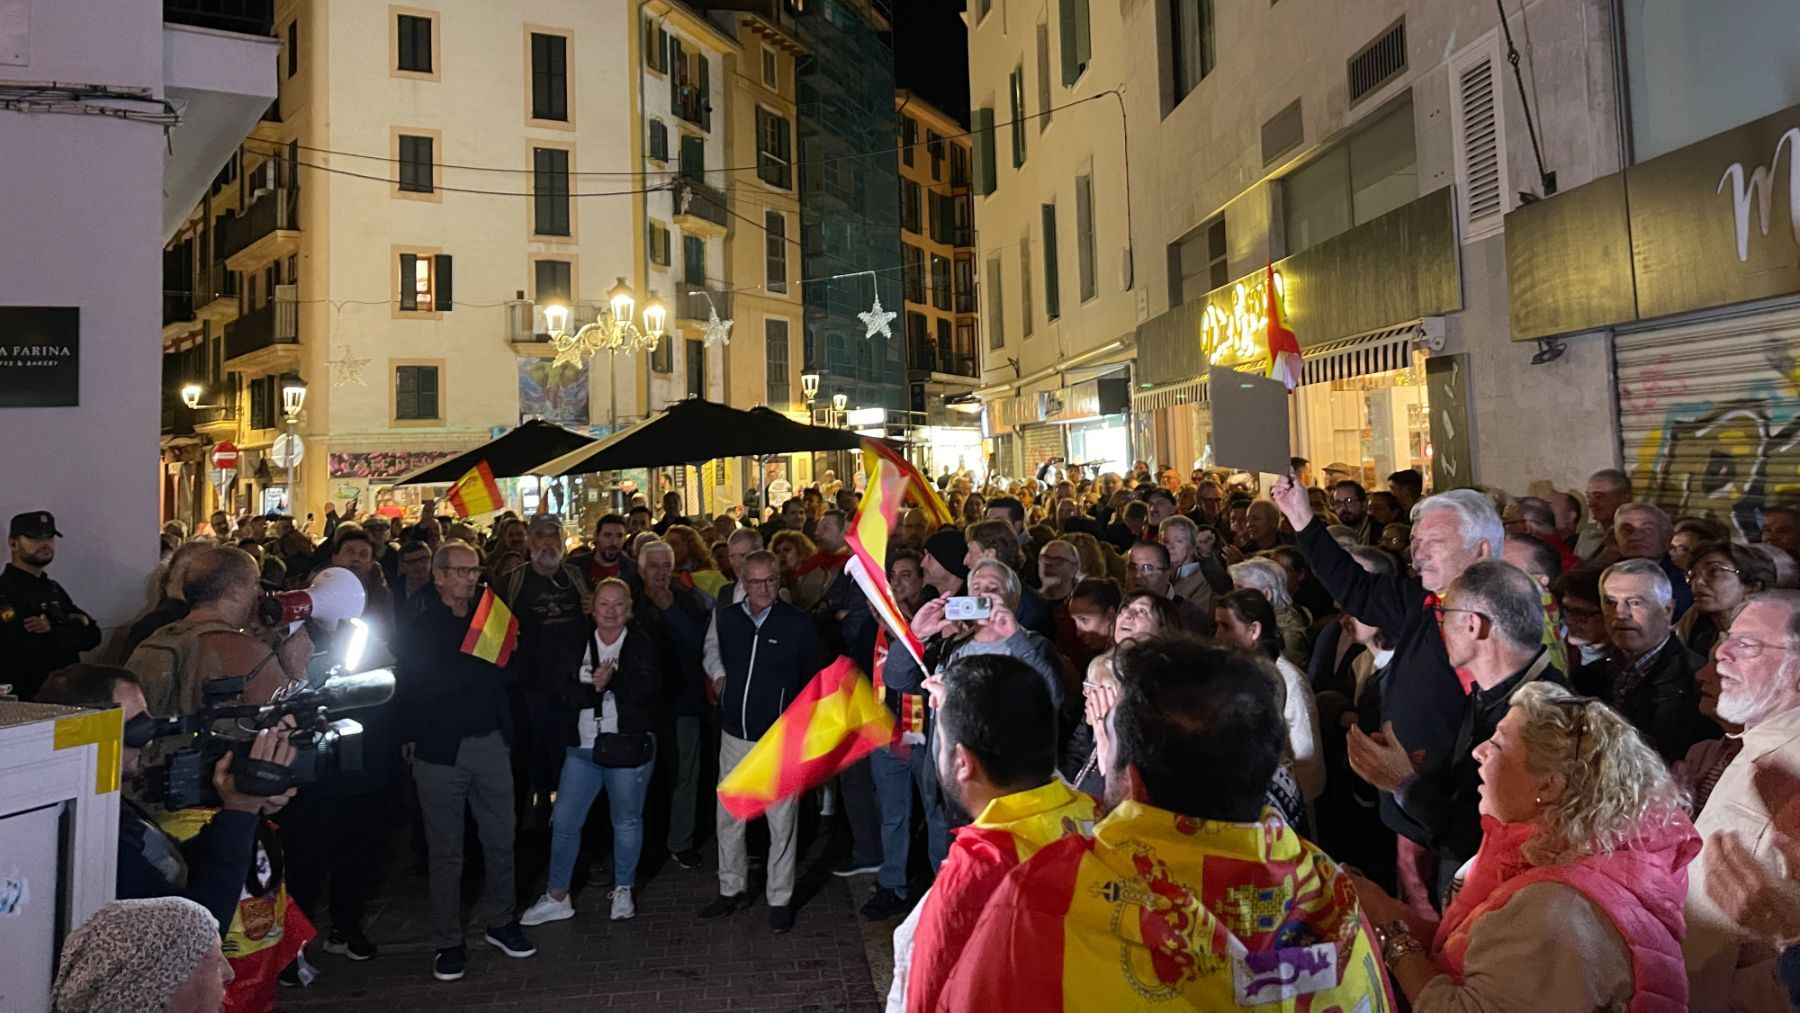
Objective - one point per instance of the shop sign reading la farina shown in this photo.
(40, 354)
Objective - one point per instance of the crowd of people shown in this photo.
(1171, 739)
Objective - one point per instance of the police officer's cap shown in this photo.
(35, 524)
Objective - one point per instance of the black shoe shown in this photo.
(781, 917)
(884, 904)
(724, 904)
(510, 940)
(688, 858)
(290, 976)
(447, 964)
(350, 942)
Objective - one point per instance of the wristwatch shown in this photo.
(1396, 940)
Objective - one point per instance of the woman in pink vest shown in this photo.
(1574, 902)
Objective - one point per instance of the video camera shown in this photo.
(326, 745)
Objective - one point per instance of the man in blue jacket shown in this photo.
(769, 651)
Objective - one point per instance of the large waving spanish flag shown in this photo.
(1285, 363)
(476, 492)
(892, 481)
(835, 721)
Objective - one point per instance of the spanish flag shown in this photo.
(921, 492)
(476, 492)
(1285, 363)
(868, 536)
(835, 721)
(493, 632)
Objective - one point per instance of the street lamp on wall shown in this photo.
(293, 396)
(840, 401)
(809, 386)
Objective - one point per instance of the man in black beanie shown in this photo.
(945, 564)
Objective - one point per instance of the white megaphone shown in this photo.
(335, 594)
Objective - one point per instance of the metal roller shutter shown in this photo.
(1709, 413)
(1040, 442)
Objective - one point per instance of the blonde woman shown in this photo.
(1575, 901)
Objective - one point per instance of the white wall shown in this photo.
(82, 216)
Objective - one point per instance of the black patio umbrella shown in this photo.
(508, 456)
(695, 431)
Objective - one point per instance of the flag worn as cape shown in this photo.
(476, 492)
(835, 721)
(493, 630)
(1285, 363)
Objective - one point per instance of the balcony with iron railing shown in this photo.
(215, 292)
(525, 323)
(699, 206)
(177, 308)
(691, 301)
(269, 228)
(274, 323)
(927, 357)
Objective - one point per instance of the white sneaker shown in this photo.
(623, 908)
(547, 909)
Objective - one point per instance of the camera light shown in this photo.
(353, 652)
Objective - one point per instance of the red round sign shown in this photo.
(224, 456)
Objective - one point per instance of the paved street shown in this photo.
(664, 959)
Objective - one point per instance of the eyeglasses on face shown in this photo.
(1444, 610)
(1710, 572)
(1747, 647)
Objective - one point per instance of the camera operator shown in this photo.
(209, 868)
(223, 590)
(41, 630)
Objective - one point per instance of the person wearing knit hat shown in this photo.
(135, 956)
(945, 565)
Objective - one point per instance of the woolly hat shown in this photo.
(133, 955)
(949, 548)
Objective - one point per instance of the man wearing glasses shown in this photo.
(460, 725)
(1741, 911)
(1646, 675)
(769, 651)
(1493, 624)
(1350, 501)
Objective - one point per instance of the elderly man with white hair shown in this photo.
(1742, 905)
(1643, 531)
(1646, 674)
(1422, 699)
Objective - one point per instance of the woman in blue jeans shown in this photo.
(607, 714)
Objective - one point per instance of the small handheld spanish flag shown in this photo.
(835, 721)
(493, 631)
(476, 492)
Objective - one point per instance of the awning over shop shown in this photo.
(1376, 351)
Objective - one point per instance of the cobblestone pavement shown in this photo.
(665, 959)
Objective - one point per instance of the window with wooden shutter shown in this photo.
(996, 305)
(1052, 297)
(549, 77)
(1043, 75)
(1193, 45)
(696, 368)
(1027, 311)
(775, 249)
(982, 135)
(440, 282)
(705, 96)
(656, 45)
(659, 244)
(413, 39)
(416, 393)
(693, 260)
(1084, 236)
(774, 159)
(940, 282)
(778, 390)
(555, 280)
(415, 163)
(1016, 88)
(659, 140)
(1077, 38)
(409, 282)
(550, 191)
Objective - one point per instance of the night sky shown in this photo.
(931, 53)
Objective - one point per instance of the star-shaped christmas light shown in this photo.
(878, 319)
(347, 369)
(718, 332)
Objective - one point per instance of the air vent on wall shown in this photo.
(1282, 133)
(1378, 62)
(1480, 143)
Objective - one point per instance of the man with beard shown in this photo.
(550, 597)
(995, 751)
(607, 558)
(1350, 501)
(1248, 893)
(41, 630)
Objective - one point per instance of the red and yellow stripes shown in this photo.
(493, 632)
(835, 721)
(1285, 363)
(476, 492)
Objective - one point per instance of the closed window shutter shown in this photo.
(409, 281)
(1084, 41)
(677, 71)
(1071, 68)
(1478, 148)
(1052, 298)
(983, 136)
(705, 92)
(428, 392)
(440, 282)
(406, 392)
(1084, 235)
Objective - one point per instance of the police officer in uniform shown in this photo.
(41, 630)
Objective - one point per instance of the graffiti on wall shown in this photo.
(1726, 459)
